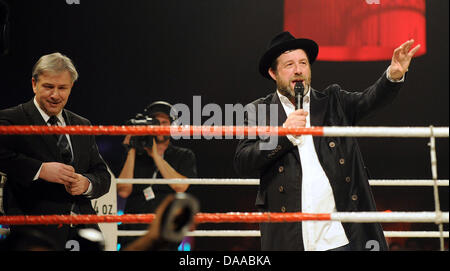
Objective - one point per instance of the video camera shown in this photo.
(140, 142)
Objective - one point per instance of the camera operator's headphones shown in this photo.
(160, 107)
(4, 28)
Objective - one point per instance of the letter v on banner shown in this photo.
(357, 30)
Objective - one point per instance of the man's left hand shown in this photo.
(79, 187)
(401, 59)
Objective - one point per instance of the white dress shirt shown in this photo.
(317, 195)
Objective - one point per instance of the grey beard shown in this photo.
(291, 95)
(287, 93)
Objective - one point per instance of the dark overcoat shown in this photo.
(279, 168)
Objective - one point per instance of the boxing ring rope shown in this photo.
(256, 233)
(212, 181)
(235, 217)
(437, 217)
(340, 131)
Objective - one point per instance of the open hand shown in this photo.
(401, 59)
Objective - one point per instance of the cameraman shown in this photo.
(158, 158)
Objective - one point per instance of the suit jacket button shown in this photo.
(283, 209)
(281, 189)
(281, 169)
(347, 179)
(354, 197)
(342, 161)
(332, 144)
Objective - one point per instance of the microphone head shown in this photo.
(299, 88)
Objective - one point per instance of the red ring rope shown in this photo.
(159, 130)
(148, 218)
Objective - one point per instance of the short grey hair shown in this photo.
(55, 62)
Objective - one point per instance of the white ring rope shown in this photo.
(435, 187)
(209, 181)
(416, 234)
(385, 217)
(256, 233)
(385, 131)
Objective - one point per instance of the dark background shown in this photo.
(131, 53)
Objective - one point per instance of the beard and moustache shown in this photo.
(286, 89)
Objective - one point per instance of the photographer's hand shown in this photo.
(126, 143)
(125, 189)
(126, 140)
(156, 151)
(166, 170)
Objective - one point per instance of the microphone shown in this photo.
(299, 90)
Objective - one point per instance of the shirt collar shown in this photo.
(45, 116)
(285, 100)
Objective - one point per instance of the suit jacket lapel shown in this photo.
(317, 112)
(281, 118)
(281, 113)
(36, 119)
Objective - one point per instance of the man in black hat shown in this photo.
(161, 160)
(320, 174)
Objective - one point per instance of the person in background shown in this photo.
(161, 159)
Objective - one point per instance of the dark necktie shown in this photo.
(62, 143)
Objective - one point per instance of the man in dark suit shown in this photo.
(320, 174)
(51, 174)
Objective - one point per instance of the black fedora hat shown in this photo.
(282, 43)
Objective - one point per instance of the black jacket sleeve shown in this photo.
(254, 154)
(10, 158)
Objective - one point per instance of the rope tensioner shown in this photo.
(187, 130)
(235, 217)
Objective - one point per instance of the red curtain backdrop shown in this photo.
(355, 30)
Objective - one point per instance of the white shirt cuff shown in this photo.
(37, 174)
(296, 140)
(89, 190)
(394, 80)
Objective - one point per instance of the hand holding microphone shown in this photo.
(298, 117)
